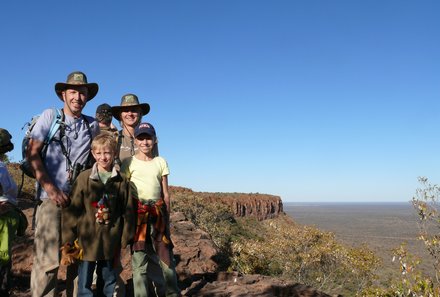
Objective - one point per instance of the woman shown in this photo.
(129, 115)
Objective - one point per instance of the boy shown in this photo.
(152, 258)
(12, 220)
(100, 219)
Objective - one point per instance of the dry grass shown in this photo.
(225, 229)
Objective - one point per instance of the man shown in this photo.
(66, 155)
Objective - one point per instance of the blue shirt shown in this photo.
(76, 142)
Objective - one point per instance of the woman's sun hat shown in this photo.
(129, 101)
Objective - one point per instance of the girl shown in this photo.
(152, 258)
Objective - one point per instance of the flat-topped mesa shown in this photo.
(260, 206)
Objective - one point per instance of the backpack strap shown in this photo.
(89, 130)
(57, 124)
(58, 119)
(90, 159)
(118, 148)
(62, 128)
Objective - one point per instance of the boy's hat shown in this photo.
(5, 141)
(129, 101)
(144, 128)
(104, 113)
(77, 79)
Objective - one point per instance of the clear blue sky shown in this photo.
(308, 100)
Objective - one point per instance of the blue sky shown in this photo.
(308, 100)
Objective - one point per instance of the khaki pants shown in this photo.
(147, 274)
(46, 260)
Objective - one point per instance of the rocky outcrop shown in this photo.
(260, 206)
(234, 285)
(197, 261)
(194, 251)
(197, 267)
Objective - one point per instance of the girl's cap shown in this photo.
(144, 128)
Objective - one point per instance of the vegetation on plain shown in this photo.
(282, 248)
(413, 281)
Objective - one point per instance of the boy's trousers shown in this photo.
(106, 280)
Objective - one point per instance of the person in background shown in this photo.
(12, 220)
(100, 218)
(129, 114)
(104, 117)
(152, 257)
(66, 156)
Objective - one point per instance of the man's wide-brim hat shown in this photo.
(74, 80)
(129, 101)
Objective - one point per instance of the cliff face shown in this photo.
(261, 206)
(253, 205)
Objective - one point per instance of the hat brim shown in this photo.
(6, 148)
(116, 110)
(92, 89)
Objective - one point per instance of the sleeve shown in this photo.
(164, 166)
(42, 126)
(73, 212)
(128, 216)
(125, 167)
(8, 187)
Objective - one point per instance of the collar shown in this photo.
(94, 172)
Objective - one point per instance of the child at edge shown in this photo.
(12, 220)
(152, 258)
(99, 221)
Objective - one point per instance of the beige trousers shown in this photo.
(46, 260)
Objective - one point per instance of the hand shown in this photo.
(66, 257)
(5, 207)
(59, 198)
(67, 254)
(70, 253)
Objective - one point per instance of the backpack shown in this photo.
(58, 119)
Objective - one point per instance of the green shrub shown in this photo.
(280, 247)
(412, 282)
(306, 255)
